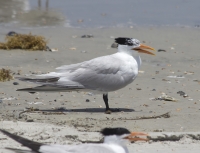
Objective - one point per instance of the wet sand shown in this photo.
(172, 70)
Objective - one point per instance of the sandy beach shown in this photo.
(174, 68)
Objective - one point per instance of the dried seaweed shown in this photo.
(24, 41)
(5, 75)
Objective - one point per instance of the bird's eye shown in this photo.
(130, 42)
(137, 42)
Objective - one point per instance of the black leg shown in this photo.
(105, 98)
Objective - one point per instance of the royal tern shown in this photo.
(99, 75)
(114, 142)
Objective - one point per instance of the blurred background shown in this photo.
(99, 13)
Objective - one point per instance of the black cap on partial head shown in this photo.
(127, 41)
(114, 131)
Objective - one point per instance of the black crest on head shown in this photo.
(127, 41)
(114, 131)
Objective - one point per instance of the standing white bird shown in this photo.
(99, 75)
(114, 142)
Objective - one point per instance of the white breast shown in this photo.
(128, 68)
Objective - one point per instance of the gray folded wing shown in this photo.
(102, 74)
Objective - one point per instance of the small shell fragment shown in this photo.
(72, 48)
(54, 49)
(189, 73)
(178, 76)
(165, 97)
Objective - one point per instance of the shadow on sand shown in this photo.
(89, 110)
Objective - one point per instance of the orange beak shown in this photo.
(134, 136)
(142, 47)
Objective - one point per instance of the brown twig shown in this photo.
(36, 110)
(28, 110)
(165, 115)
(53, 113)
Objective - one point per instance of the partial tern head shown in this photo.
(134, 44)
(123, 133)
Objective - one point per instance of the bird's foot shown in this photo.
(109, 111)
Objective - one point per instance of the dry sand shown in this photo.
(180, 58)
